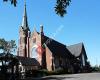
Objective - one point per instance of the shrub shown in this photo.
(44, 72)
(96, 69)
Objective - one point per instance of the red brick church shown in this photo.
(36, 50)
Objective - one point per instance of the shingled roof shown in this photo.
(57, 48)
(75, 49)
(25, 61)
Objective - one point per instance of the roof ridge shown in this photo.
(55, 40)
(75, 44)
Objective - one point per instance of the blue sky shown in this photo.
(81, 24)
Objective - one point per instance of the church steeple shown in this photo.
(25, 22)
(24, 36)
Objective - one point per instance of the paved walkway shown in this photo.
(84, 76)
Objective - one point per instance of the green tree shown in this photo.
(7, 46)
(60, 7)
(7, 59)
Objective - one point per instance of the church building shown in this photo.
(38, 51)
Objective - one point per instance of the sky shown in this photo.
(80, 24)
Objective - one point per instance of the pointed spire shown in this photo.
(41, 29)
(34, 29)
(25, 22)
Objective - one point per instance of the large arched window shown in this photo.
(34, 51)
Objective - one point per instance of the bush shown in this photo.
(43, 72)
(57, 72)
(36, 73)
(96, 69)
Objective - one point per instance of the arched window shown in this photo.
(34, 51)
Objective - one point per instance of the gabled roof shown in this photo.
(60, 49)
(56, 48)
(25, 61)
(75, 49)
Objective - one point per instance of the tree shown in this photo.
(7, 59)
(60, 7)
(14, 2)
(7, 46)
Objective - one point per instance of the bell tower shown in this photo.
(24, 36)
